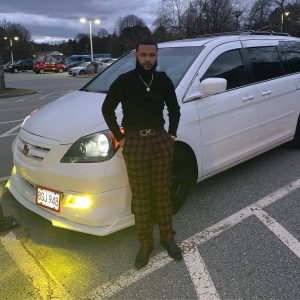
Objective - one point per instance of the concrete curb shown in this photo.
(18, 93)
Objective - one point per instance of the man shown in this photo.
(147, 147)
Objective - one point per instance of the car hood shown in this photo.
(69, 117)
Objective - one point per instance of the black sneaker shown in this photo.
(172, 249)
(142, 257)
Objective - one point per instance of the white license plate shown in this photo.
(48, 198)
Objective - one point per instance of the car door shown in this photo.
(228, 120)
(278, 92)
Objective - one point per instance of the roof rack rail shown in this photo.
(264, 32)
(249, 32)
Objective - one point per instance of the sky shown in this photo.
(57, 20)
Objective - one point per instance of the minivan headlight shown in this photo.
(97, 147)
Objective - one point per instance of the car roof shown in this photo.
(223, 38)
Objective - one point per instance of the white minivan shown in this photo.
(239, 97)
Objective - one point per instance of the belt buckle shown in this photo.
(146, 132)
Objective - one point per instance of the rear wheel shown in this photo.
(41, 71)
(60, 70)
(16, 70)
(183, 176)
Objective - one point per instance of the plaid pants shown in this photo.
(148, 160)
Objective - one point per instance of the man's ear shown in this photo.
(135, 54)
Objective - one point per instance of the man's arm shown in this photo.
(172, 106)
(109, 106)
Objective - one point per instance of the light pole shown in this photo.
(97, 21)
(286, 13)
(16, 38)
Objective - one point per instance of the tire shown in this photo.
(296, 140)
(183, 176)
(41, 71)
(60, 70)
(81, 72)
(16, 70)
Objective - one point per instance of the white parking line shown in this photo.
(290, 241)
(204, 285)
(11, 121)
(2, 179)
(40, 279)
(8, 133)
(45, 96)
(20, 108)
(114, 286)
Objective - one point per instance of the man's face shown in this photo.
(146, 56)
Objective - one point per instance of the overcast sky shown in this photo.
(54, 20)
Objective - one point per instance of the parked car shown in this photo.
(239, 97)
(72, 64)
(42, 67)
(21, 65)
(105, 64)
(6, 66)
(84, 68)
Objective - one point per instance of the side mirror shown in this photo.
(211, 86)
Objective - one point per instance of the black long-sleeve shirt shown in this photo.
(141, 109)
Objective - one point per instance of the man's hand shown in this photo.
(121, 142)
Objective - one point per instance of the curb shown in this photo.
(17, 94)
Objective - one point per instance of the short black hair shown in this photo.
(145, 42)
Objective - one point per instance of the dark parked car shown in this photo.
(42, 67)
(21, 65)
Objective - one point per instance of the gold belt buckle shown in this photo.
(146, 132)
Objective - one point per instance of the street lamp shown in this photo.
(96, 21)
(286, 13)
(16, 38)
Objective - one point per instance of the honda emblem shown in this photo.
(25, 149)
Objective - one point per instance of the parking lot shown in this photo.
(239, 231)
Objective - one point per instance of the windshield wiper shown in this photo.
(85, 89)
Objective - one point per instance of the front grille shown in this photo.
(32, 149)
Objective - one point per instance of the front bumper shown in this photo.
(105, 183)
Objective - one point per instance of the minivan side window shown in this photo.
(228, 65)
(291, 53)
(265, 62)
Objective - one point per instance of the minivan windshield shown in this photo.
(174, 61)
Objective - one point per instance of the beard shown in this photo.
(145, 73)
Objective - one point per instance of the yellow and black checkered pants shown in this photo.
(148, 160)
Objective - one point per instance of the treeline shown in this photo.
(175, 19)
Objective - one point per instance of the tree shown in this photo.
(128, 22)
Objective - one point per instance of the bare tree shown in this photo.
(127, 22)
(170, 16)
(102, 32)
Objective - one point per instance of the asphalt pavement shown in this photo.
(239, 231)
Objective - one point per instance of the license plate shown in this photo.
(48, 198)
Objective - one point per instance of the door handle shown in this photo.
(247, 98)
(266, 93)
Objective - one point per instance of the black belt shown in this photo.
(145, 132)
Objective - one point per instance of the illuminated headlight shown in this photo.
(97, 147)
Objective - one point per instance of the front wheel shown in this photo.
(183, 176)
(41, 71)
(81, 73)
(16, 70)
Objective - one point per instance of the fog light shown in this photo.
(78, 201)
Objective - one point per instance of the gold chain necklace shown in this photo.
(147, 85)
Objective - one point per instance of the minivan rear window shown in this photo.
(174, 61)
